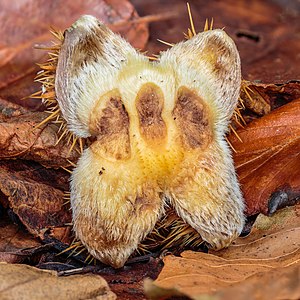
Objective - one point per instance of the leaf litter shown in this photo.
(40, 146)
(244, 268)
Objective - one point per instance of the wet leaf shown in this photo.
(272, 250)
(25, 282)
(268, 160)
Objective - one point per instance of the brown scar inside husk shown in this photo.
(149, 104)
(192, 119)
(109, 121)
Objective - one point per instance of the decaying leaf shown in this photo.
(268, 160)
(272, 250)
(19, 138)
(9, 109)
(35, 194)
(25, 282)
(262, 98)
(127, 283)
(13, 241)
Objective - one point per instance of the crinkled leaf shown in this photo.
(272, 250)
(35, 194)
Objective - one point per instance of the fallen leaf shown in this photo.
(9, 109)
(19, 138)
(127, 283)
(156, 292)
(277, 95)
(272, 250)
(25, 282)
(267, 230)
(35, 194)
(268, 158)
(260, 99)
(13, 240)
(281, 283)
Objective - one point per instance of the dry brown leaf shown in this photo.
(274, 95)
(260, 99)
(26, 283)
(268, 158)
(35, 194)
(274, 232)
(127, 282)
(13, 240)
(25, 24)
(9, 109)
(281, 283)
(273, 246)
(19, 138)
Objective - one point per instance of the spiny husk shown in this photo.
(47, 94)
(170, 232)
(237, 118)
